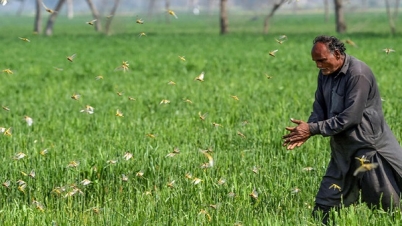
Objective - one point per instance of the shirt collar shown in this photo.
(345, 66)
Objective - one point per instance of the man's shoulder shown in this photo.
(358, 67)
(354, 61)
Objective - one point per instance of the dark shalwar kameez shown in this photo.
(347, 108)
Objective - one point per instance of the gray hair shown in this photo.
(332, 43)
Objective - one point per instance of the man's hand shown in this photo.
(291, 145)
(297, 136)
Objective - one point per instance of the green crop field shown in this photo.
(75, 168)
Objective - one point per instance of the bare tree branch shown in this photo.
(390, 18)
(38, 13)
(167, 7)
(95, 15)
(112, 12)
(271, 14)
(70, 9)
(52, 18)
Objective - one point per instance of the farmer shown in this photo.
(365, 155)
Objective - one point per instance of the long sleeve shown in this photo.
(318, 113)
(356, 95)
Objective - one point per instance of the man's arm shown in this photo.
(299, 134)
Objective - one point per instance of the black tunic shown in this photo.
(347, 108)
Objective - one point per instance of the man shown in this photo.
(365, 155)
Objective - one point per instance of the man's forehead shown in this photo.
(320, 47)
(320, 50)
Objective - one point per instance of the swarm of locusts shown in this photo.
(205, 160)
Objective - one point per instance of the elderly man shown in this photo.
(365, 155)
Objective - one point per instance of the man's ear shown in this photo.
(337, 54)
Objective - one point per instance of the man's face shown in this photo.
(326, 61)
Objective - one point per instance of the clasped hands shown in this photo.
(297, 135)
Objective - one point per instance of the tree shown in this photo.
(38, 21)
(167, 8)
(52, 18)
(326, 10)
(151, 7)
(113, 11)
(392, 17)
(271, 14)
(224, 23)
(339, 18)
(95, 15)
(70, 9)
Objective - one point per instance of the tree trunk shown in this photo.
(167, 7)
(390, 18)
(271, 14)
(395, 16)
(95, 15)
(70, 9)
(38, 21)
(109, 21)
(224, 18)
(151, 8)
(52, 18)
(396, 9)
(339, 18)
(326, 10)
